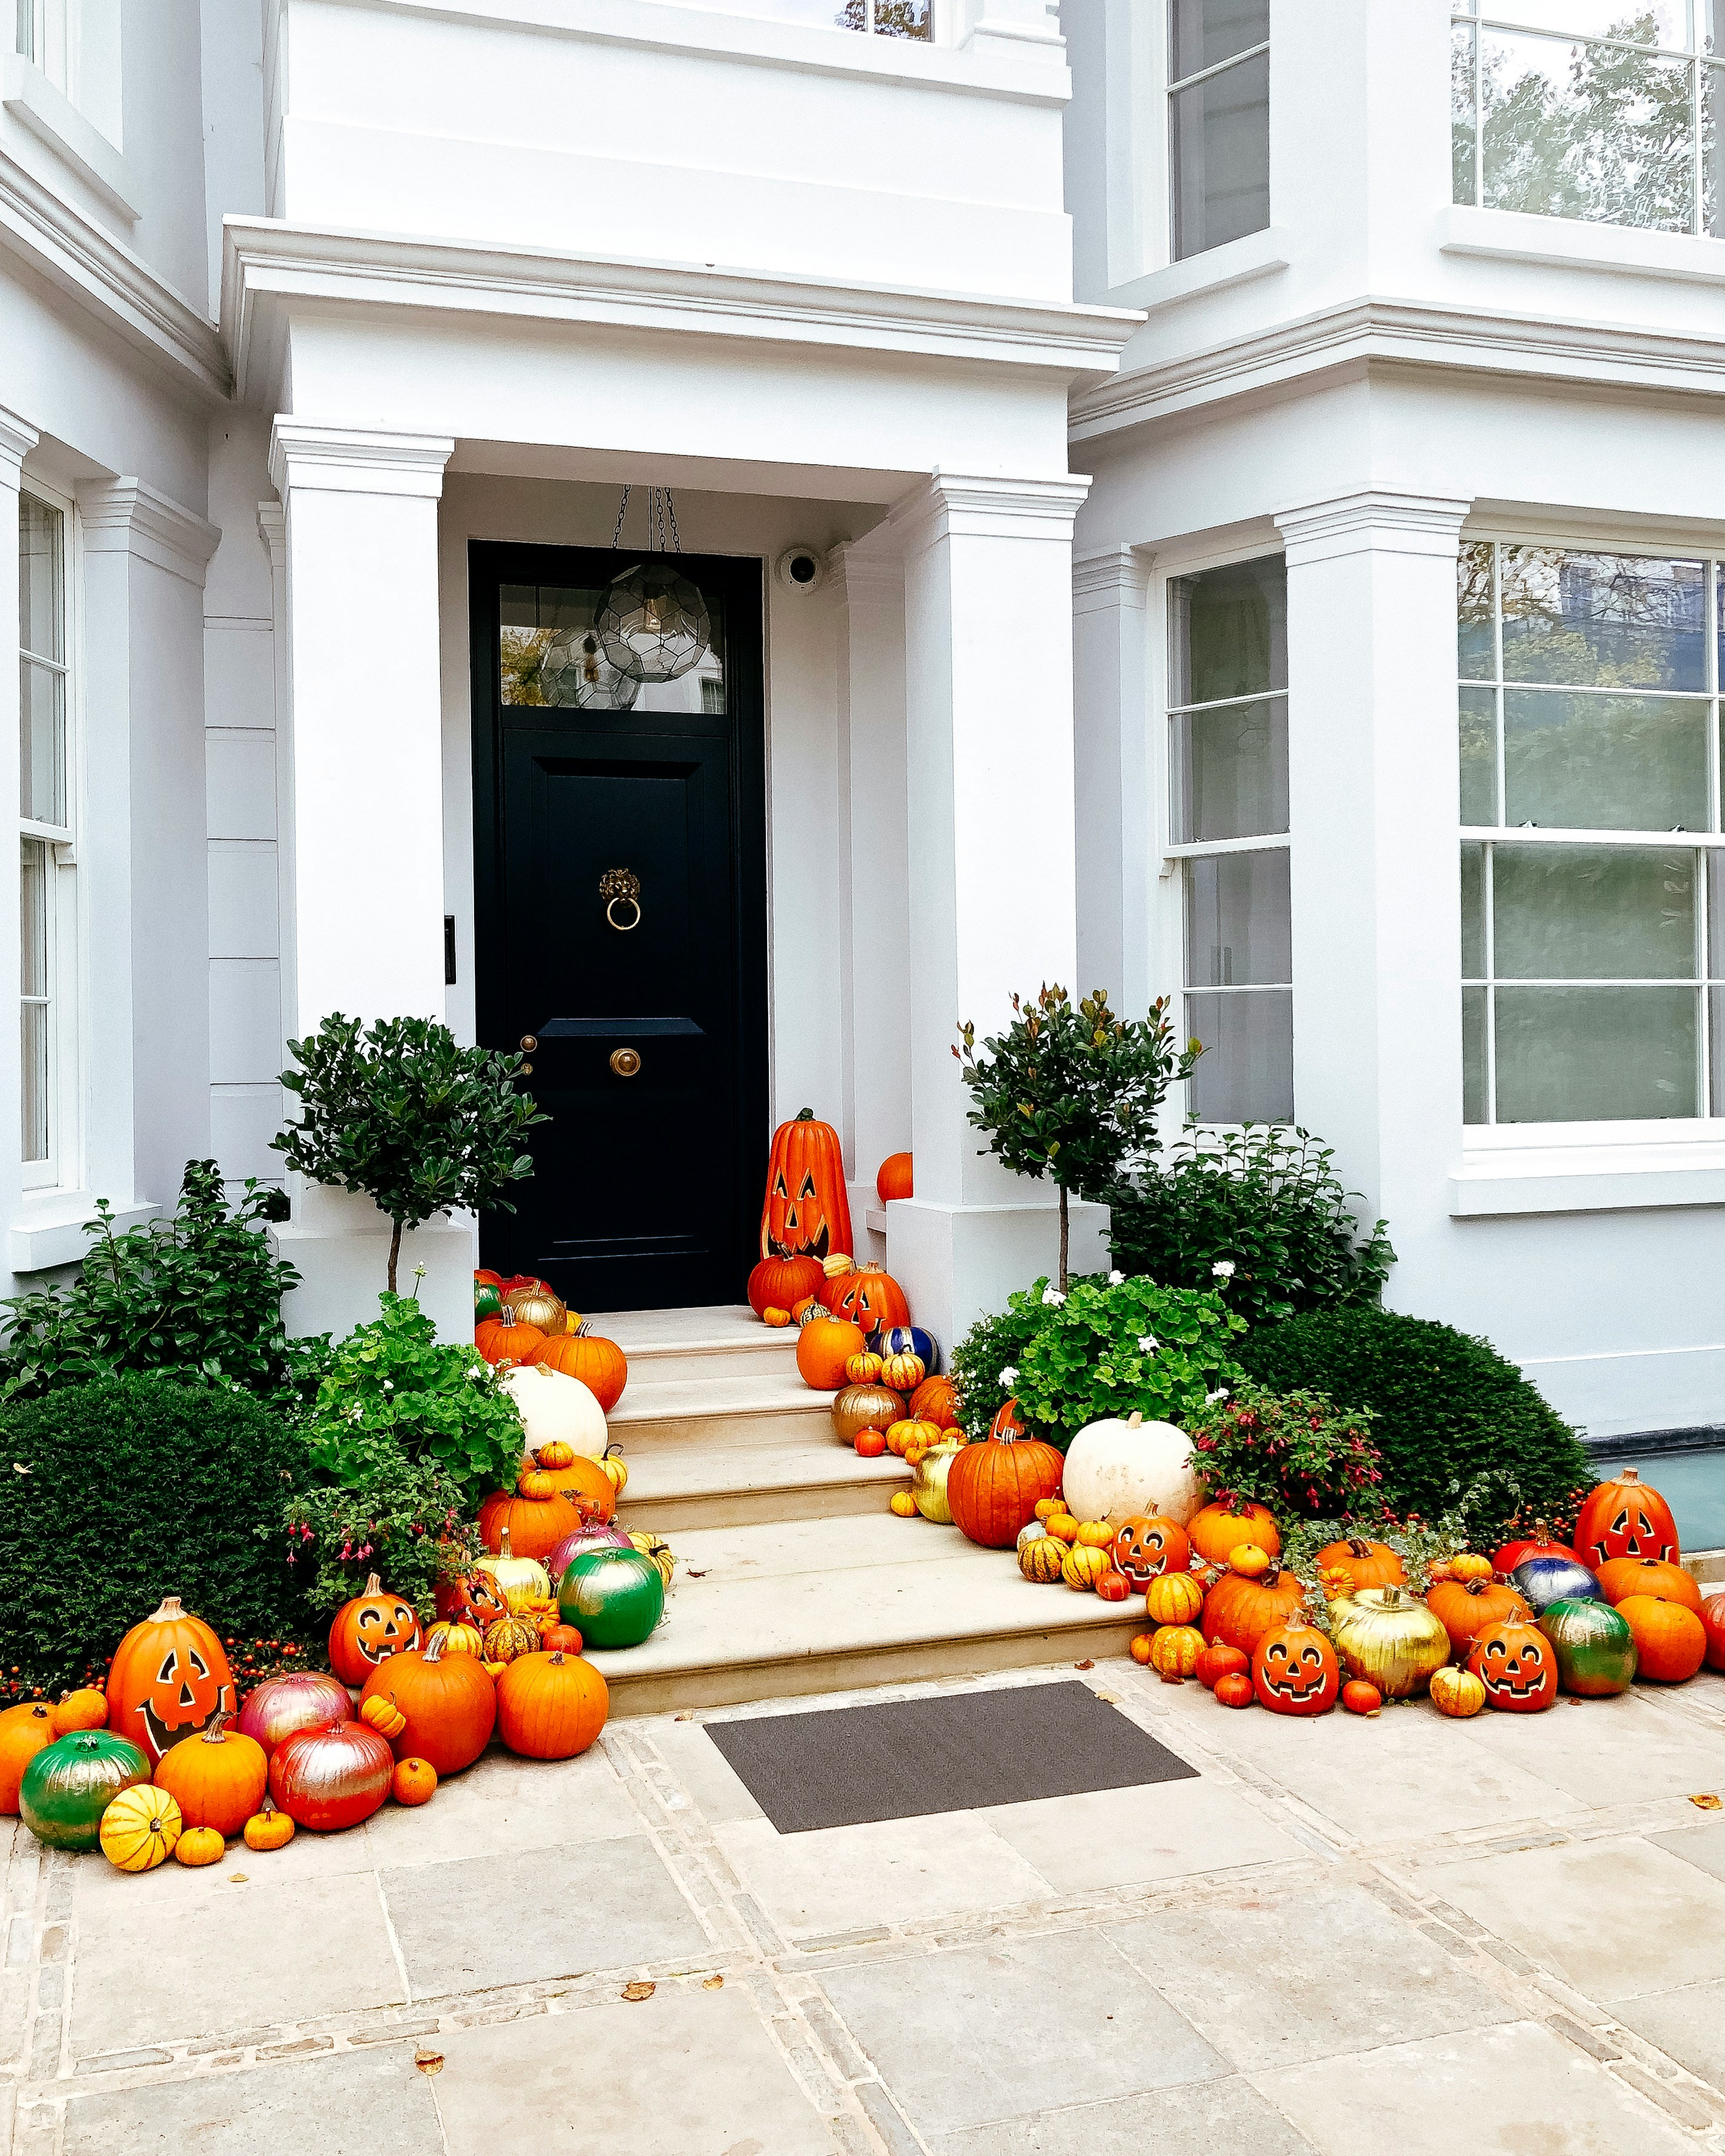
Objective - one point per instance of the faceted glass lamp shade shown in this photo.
(653, 625)
(576, 672)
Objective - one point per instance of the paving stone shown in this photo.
(1688, 2024)
(1219, 2119)
(109, 2062)
(1104, 2025)
(351, 2103)
(686, 2073)
(887, 2120)
(1502, 2092)
(1703, 1846)
(1121, 1837)
(53, 1943)
(1676, 2100)
(242, 2037)
(1591, 2040)
(1305, 1977)
(1584, 1755)
(832, 2033)
(704, 1772)
(494, 1805)
(472, 1922)
(297, 2045)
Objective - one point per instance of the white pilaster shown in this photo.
(1112, 766)
(988, 630)
(1372, 784)
(17, 438)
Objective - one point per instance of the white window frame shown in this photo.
(62, 1166)
(1171, 178)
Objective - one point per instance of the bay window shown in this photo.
(1218, 122)
(48, 949)
(1228, 759)
(1592, 906)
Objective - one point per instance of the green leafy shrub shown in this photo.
(196, 1296)
(117, 1492)
(403, 1519)
(1300, 1455)
(1449, 1413)
(1108, 1346)
(1265, 1198)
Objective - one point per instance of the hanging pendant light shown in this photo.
(575, 672)
(653, 625)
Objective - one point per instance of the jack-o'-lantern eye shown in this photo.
(778, 1189)
(1311, 1655)
(808, 1189)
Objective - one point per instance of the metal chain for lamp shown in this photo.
(661, 512)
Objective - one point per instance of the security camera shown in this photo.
(800, 568)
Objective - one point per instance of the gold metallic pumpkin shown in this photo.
(1390, 1638)
(929, 1485)
(538, 1305)
(865, 1407)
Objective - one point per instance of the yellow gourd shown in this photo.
(1043, 1559)
(1173, 1597)
(1174, 1650)
(1097, 1534)
(1084, 1566)
(140, 1828)
(903, 1505)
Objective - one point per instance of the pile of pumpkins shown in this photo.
(560, 1373)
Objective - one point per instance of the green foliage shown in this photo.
(395, 1393)
(402, 1113)
(197, 1297)
(1453, 1420)
(118, 1491)
(403, 1521)
(1073, 1093)
(1263, 1197)
(1300, 1455)
(1107, 1347)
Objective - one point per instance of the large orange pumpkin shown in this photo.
(1238, 1611)
(599, 1363)
(535, 1525)
(1217, 1530)
(994, 1488)
(169, 1679)
(1625, 1518)
(1671, 1641)
(807, 1214)
(24, 1732)
(869, 1296)
(1464, 1607)
(369, 1630)
(935, 1400)
(1514, 1663)
(782, 1283)
(1366, 1563)
(218, 1780)
(551, 1706)
(824, 1346)
(505, 1339)
(1621, 1577)
(450, 1703)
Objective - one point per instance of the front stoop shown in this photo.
(793, 1576)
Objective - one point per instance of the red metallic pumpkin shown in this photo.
(806, 1213)
(1295, 1670)
(369, 1630)
(1713, 1618)
(169, 1679)
(281, 1706)
(1623, 1518)
(1539, 1543)
(332, 1778)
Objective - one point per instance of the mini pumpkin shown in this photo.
(1359, 1697)
(903, 1373)
(1470, 1564)
(1042, 1560)
(1457, 1692)
(380, 1712)
(863, 1369)
(1218, 1661)
(1235, 1690)
(869, 1444)
(510, 1636)
(1113, 1586)
(1140, 1648)
(1249, 1559)
(1061, 1526)
(414, 1781)
(140, 1828)
(458, 1639)
(1096, 1534)
(1174, 1650)
(1173, 1597)
(199, 1845)
(269, 1828)
(903, 1506)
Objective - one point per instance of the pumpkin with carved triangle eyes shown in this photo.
(807, 1214)
(1295, 1670)
(1623, 1518)
(169, 1679)
(1514, 1663)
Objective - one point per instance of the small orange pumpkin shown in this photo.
(199, 1845)
(380, 1712)
(269, 1827)
(1174, 1650)
(85, 1709)
(414, 1781)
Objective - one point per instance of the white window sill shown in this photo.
(1509, 1172)
(50, 1231)
(1507, 235)
(31, 98)
(1258, 255)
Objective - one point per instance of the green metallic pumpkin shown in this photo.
(70, 1783)
(1594, 1647)
(487, 1301)
(613, 1598)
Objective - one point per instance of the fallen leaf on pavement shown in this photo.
(636, 1991)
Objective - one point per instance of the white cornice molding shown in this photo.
(1371, 519)
(865, 573)
(110, 283)
(1345, 340)
(129, 516)
(328, 459)
(1113, 576)
(272, 530)
(986, 506)
(17, 438)
(270, 266)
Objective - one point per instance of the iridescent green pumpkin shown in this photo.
(70, 1783)
(1594, 1648)
(613, 1597)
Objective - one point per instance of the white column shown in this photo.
(17, 439)
(1373, 803)
(990, 815)
(1112, 774)
(363, 879)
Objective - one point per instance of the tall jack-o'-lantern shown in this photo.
(169, 1679)
(807, 1214)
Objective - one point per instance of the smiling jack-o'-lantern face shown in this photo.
(369, 1630)
(1623, 1518)
(1144, 1548)
(169, 1679)
(1514, 1663)
(1295, 1670)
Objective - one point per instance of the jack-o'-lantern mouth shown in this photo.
(187, 1717)
(378, 1638)
(1513, 1679)
(793, 1241)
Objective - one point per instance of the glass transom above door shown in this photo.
(551, 654)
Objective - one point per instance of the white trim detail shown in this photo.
(1236, 262)
(54, 1235)
(1373, 520)
(1114, 577)
(131, 517)
(17, 438)
(334, 459)
(1563, 242)
(34, 102)
(962, 504)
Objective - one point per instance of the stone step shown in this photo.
(704, 1410)
(772, 1609)
(725, 1342)
(677, 1485)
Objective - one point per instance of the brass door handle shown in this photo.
(530, 1041)
(626, 1062)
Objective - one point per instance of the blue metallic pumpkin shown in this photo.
(1542, 1580)
(907, 1340)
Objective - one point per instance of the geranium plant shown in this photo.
(1297, 1453)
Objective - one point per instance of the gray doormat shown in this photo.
(961, 1751)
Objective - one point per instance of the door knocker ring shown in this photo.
(621, 887)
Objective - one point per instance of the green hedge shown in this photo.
(1448, 1410)
(115, 1493)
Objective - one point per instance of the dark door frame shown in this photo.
(738, 580)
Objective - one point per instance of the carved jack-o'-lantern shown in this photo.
(169, 1679)
(1295, 1670)
(1514, 1663)
(369, 1630)
(807, 1214)
(1625, 1518)
(1144, 1548)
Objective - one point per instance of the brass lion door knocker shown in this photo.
(621, 887)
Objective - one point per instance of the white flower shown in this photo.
(1210, 1399)
(1148, 1344)
(1053, 1297)
(1222, 1268)
(1009, 1377)
(1115, 1279)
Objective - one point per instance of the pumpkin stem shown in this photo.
(504, 1551)
(374, 1584)
(557, 1658)
(1356, 1548)
(169, 1611)
(433, 1648)
(1135, 1418)
(218, 1722)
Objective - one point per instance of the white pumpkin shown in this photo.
(1125, 1469)
(555, 1407)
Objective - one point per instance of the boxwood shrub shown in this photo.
(1448, 1410)
(115, 1493)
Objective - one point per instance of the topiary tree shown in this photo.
(402, 1113)
(1073, 1092)
(1448, 1411)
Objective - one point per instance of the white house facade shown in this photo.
(1219, 498)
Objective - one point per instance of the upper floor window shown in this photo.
(1218, 122)
(1607, 111)
(47, 893)
(884, 19)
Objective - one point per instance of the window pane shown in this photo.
(41, 743)
(1237, 920)
(550, 655)
(1479, 756)
(1473, 1099)
(41, 604)
(25, 41)
(1635, 21)
(1593, 913)
(1231, 769)
(1716, 920)
(1476, 638)
(1606, 620)
(1585, 131)
(1595, 1054)
(1219, 135)
(1619, 763)
(1712, 151)
(33, 1009)
(1230, 632)
(1464, 160)
(1247, 1074)
(1202, 33)
(903, 18)
(1473, 913)
(1715, 1022)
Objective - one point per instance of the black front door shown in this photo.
(621, 902)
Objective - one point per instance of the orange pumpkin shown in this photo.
(1174, 1651)
(505, 1339)
(1173, 1597)
(1240, 1611)
(535, 1525)
(369, 1630)
(450, 1703)
(216, 1780)
(1671, 1641)
(84, 1709)
(560, 1639)
(1295, 1670)
(551, 1706)
(1514, 1663)
(1218, 1530)
(935, 1400)
(169, 1679)
(780, 1283)
(24, 1732)
(414, 1781)
(806, 1213)
(1464, 1607)
(1359, 1697)
(1623, 1518)
(824, 1346)
(1366, 1563)
(599, 1363)
(870, 1297)
(994, 1488)
(894, 1178)
(1621, 1577)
